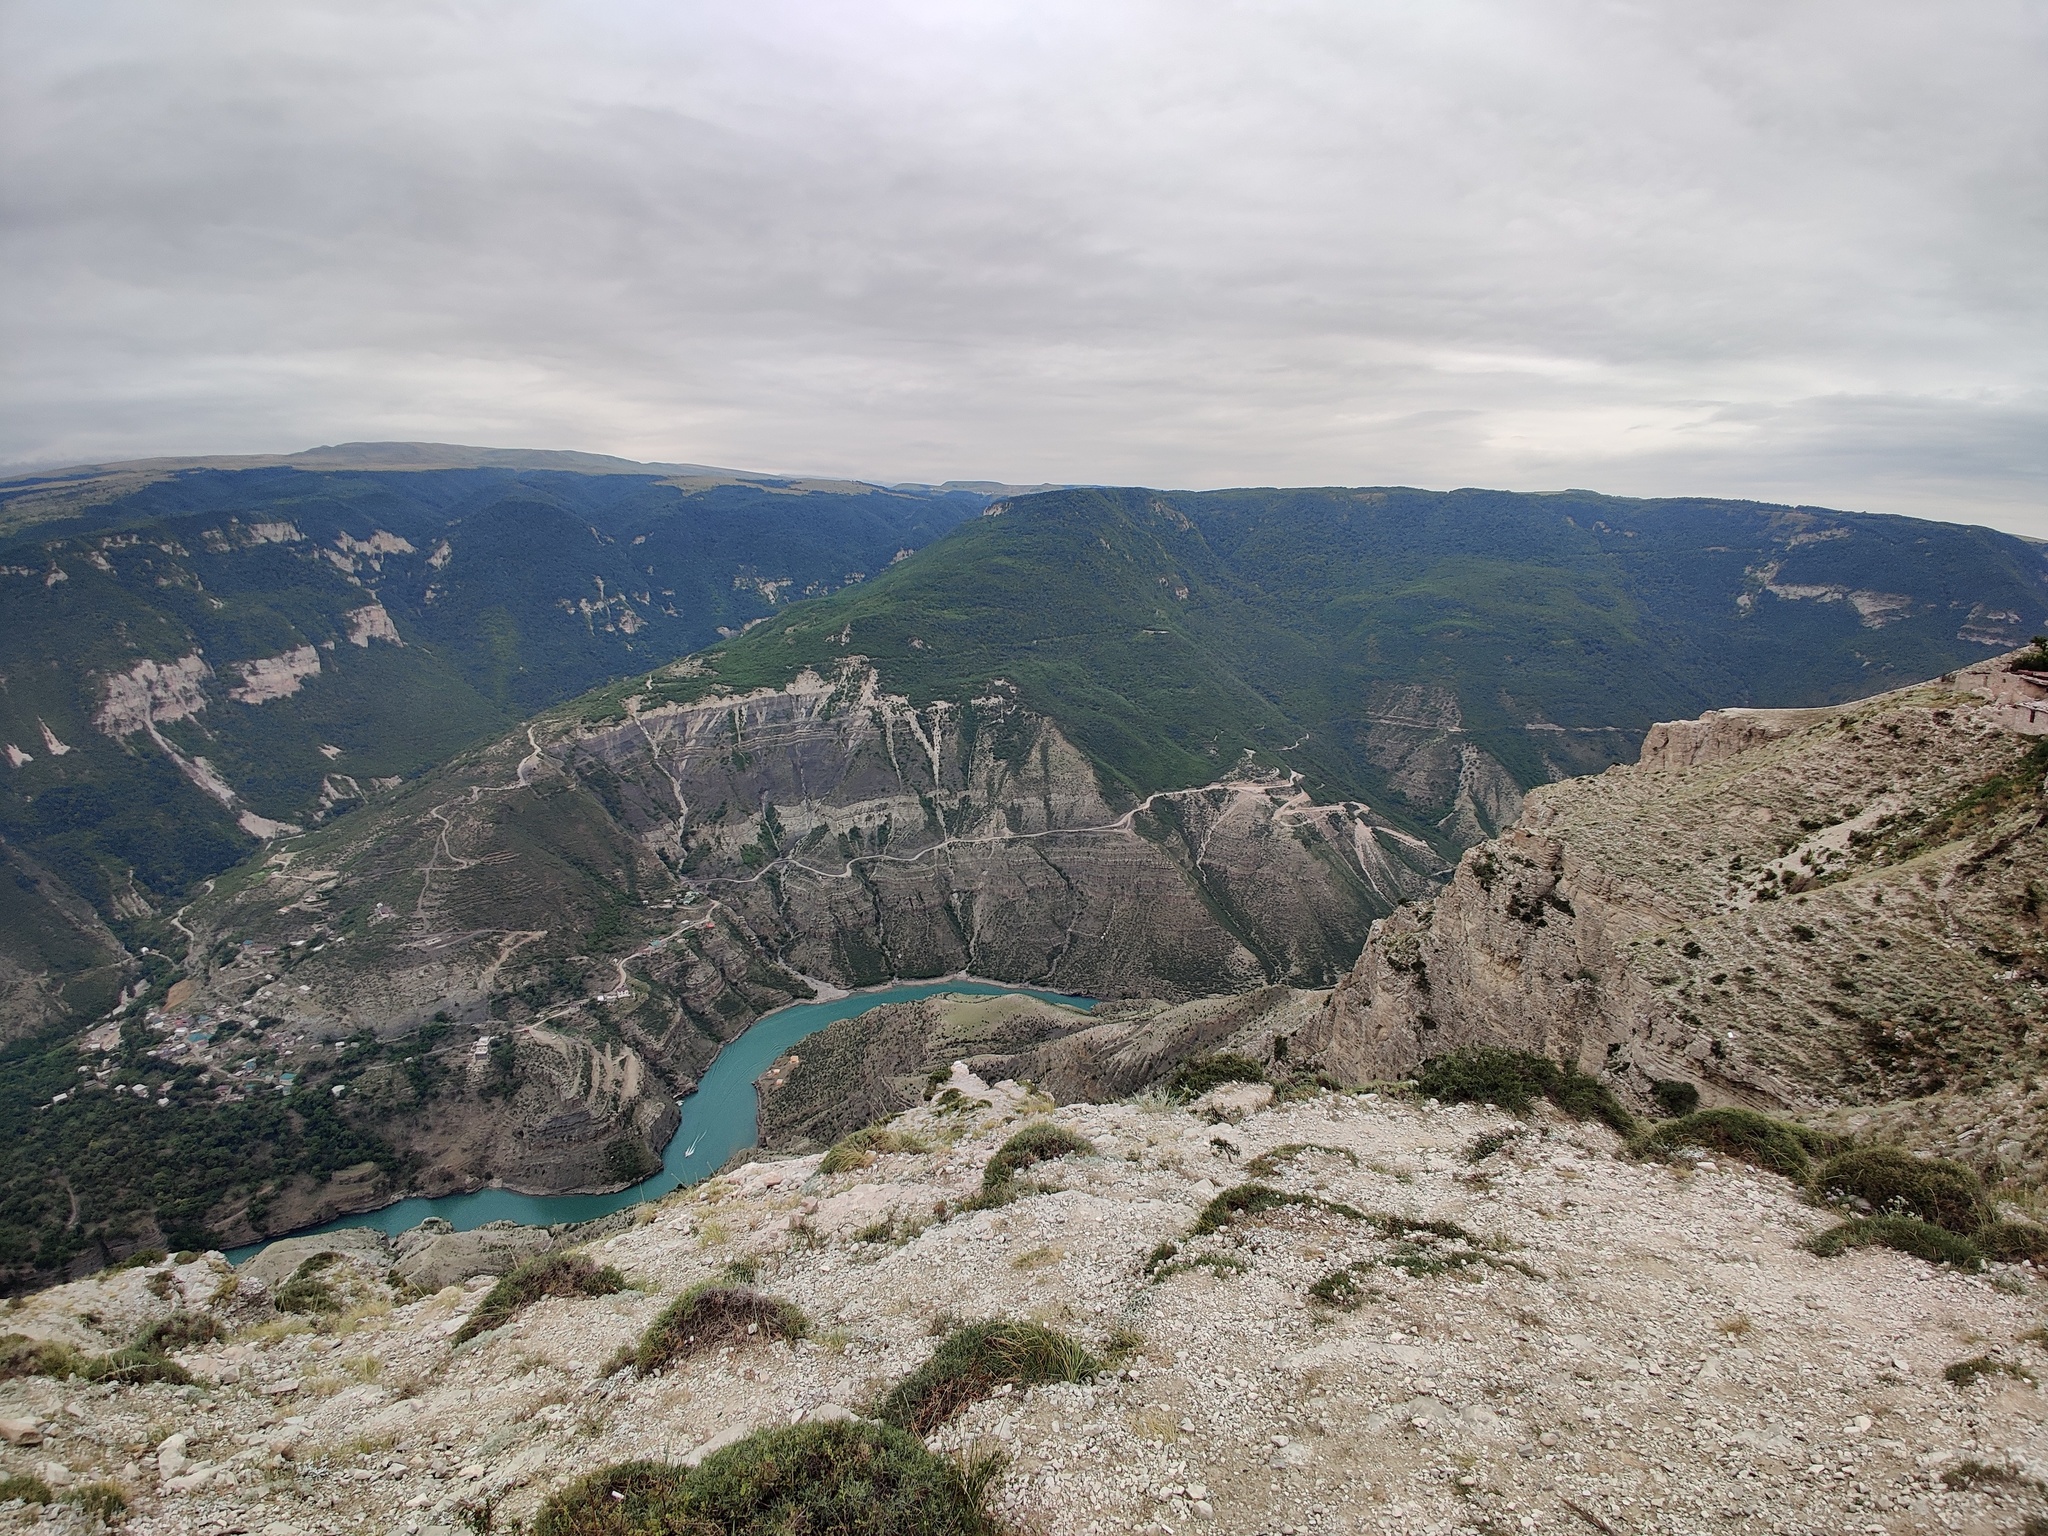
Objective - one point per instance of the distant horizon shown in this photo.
(2033, 530)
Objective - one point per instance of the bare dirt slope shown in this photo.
(1623, 1347)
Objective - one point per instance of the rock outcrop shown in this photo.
(1836, 910)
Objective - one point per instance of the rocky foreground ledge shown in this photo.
(1584, 1343)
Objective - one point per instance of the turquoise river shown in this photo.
(717, 1120)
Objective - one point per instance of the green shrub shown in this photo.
(552, 1274)
(859, 1149)
(23, 1356)
(30, 1490)
(1966, 1372)
(1675, 1096)
(1892, 1181)
(142, 1258)
(1776, 1146)
(835, 1479)
(306, 1294)
(2010, 1242)
(972, 1361)
(708, 1315)
(1256, 1200)
(1036, 1143)
(135, 1367)
(1198, 1074)
(1907, 1234)
(1266, 1164)
(181, 1330)
(1515, 1080)
(104, 1501)
(1480, 1148)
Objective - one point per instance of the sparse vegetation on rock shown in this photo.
(1515, 1080)
(1776, 1146)
(710, 1315)
(973, 1361)
(552, 1274)
(833, 1479)
(1039, 1142)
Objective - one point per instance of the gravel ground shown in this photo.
(1617, 1346)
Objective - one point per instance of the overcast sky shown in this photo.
(1775, 249)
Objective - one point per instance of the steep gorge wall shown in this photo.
(653, 879)
(1827, 910)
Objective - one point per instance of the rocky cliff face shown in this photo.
(623, 891)
(1836, 910)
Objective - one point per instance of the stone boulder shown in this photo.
(433, 1255)
(274, 1265)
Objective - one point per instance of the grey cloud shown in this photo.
(1785, 250)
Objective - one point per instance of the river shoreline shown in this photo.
(716, 1120)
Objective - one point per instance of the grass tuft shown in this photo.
(1198, 1074)
(972, 1361)
(709, 1315)
(1905, 1234)
(1036, 1143)
(27, 1488)
(863, 1146)
(2011, 1242)
(835, 1479)
(552, 1274)
(1515, 1080)
(1894, 1182)
(1776, 1146)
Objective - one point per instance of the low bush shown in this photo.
(1966, 1372)
(1480, 1148)
(105, 1502)
(30, 1490)
(842, 1478)
(1198, 1074)
(709, 1315)
(552, 1274)
(2010, 1242)
(181, 1330)
(23, 1356)
(1037, 1143)
(1675, 1096)
(1515, 1080)
(1906, 1234)
(972, 1361)
(860, 1149)
(1894, 1182)
(135, 1366)
(305, 1291)
(1266, 1164)
(1776, 1146)
(1256, 1200)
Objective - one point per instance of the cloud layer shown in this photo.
(1789, 250)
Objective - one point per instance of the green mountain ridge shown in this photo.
(1337, 633)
